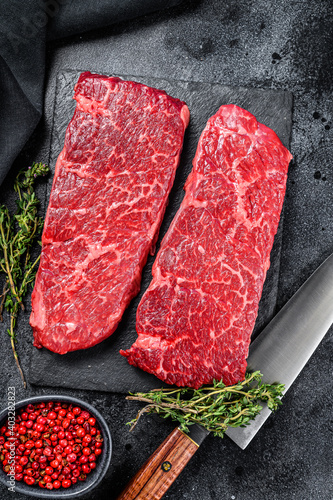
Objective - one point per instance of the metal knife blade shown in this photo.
(280, 352)
(283, 348)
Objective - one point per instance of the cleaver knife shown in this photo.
(280, 352)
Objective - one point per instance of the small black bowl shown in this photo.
(93, 478)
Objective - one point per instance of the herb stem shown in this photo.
(28, 273)
(12, 341)
(3, 298)
(214, 407)
(17, 235)
(8, 270)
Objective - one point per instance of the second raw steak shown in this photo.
(195, 320)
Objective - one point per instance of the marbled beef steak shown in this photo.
(195, 320)
(110, 189)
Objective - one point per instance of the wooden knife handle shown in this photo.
(161, 469)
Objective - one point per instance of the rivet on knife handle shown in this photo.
(162, 468)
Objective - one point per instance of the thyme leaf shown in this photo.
(18, 233)
(215, 407)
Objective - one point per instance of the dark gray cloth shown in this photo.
(24, 29)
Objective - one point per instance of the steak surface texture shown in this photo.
(109, 193)
(195, 320)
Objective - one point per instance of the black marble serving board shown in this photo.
(102, 367)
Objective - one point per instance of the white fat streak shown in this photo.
(70, 327)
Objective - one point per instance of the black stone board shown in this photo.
(102, 367)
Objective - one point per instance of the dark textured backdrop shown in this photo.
(283, 45)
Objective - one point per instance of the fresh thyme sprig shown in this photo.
(17, 235)
(214, 407)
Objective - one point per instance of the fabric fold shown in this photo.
(24, 29)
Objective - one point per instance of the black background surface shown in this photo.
(283, 45)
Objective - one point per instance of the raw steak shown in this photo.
(195, 320)
(109, 194)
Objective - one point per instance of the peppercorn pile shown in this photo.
(55, 445)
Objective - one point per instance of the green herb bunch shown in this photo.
(214, 407)
(17, 235)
